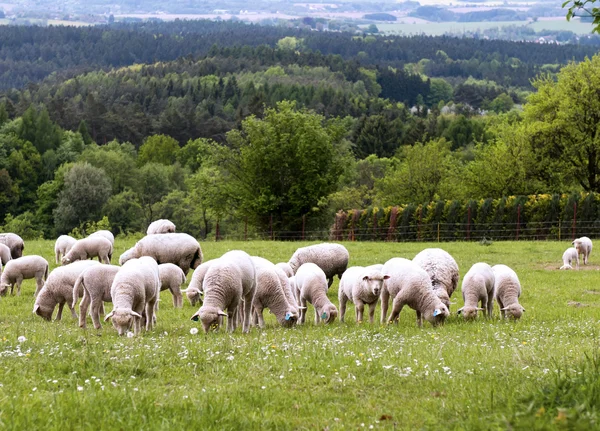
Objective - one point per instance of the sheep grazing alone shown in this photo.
(171, 278)
(478, 286)
(442, 269)
(90, 247)
(95, 282)
(361, 286)
(331, 258)
(411, 286)
(58, 289)
(508, 291)
(23, 268)
(5, 255)
(312, 282)
(229, 283)
(194, 290)
(134, 293)
(14, 242)
(584, 247)
(105, 234)
(62, 246)
(568, 257)
(161, 226)
(180, 249)
(286, 268)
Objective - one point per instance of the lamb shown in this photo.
(172, 277)
(584, 247)
(178, 248)
(508, 291)
(568, 257)
(411, 285)
(134, 292)
(14, 242)
(331, 258)
(229, 280)
(4, 255)
(361, 286)
(442, 270)
(312, 282)
(96, 282)
(62, 246)
(478, 285)
(105, 234)
(22, 268)
(161, 226)
(58, 289)
(286, 268)
(90, 247)
(195, 291)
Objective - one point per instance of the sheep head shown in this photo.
(122, 319)
(514, 311)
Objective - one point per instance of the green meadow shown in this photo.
(542, 372)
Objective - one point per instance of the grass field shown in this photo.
(539, 373)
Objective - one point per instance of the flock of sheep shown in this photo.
(240, 287)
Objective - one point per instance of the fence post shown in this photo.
(559, 227)
(419, 225)
(438, 231)
(303, 225)
(271, 226)
(374, 226)
(469, 223)
(574, 218)
(518, 219)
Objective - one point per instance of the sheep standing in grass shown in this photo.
(568, 257)
(361, 286)
(412, 286)
(194, 290)
(172, 277)
(134, 293)
(62, 246)
(508, 291)
(160, 226)
(105, 234)
(58, 289)
(96, 282)
(584, 247)
(331, 258)
(442, 269)
(478, 286)
(229, 282)
(4, 255)
(312, 283)
(14, 242)
(23, 268)
(286, 268)
(90, 247)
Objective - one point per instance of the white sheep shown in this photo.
(4, 255)
(331, 258)
(286, 268)
(442, 269)
(411, 285)
(58, 289)
(361, 286)
(134, 293)
(312, 282)
(478, 286)
(160, 226)
(229, 282)
(171, 278)
(14, 242)
(179, 248)
(194, 290)
(568, 257)
(584, 247)
(105, 234)
(508, 291)
(23, 268)
(90, 247)
(62, 246)
(96, 282)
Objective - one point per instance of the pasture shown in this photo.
(539, 373)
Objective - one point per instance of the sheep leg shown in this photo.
(150, 314)
(72, 309)
(316, 316)
(419, 319)
(489, 305)
(577, 260)
(329, 282)
(303, 310)
(343, 300)
(372, 312)
(39, 283)
(231, 317)
(177, 298)
(137, 325)
(247, 312)
(83, 308)
(60, 309)
(502, 313)
(397, 306)
(258, 314)
(96, 304)
(359, 308)
(385, 301)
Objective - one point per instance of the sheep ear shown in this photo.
(108, 316)
(504, 309)
(134, 314)
(195, 317)
(480, 309)
(366, 278)
(36, 308)
(222, 313)
(386, 277)
(459, 311)
(302, 308)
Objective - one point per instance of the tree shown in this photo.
(118, 161)
(158, 149)
(152, 184)
(584, 8)
(502, 103)
(377, 135)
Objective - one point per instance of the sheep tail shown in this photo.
(76, 288)
(197, 259)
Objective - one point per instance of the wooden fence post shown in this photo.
(574, 218)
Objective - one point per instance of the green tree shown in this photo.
(158, 149)
(152, 184)
(439, 90)
(377, 135)
(124, 212)
(502, 103)
(584, 8)
(118, 161)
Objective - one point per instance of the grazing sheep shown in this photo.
(172, 277)
(361, 286)
(23, 268)
(229, 280)
(62, 246)
(584, 247)
(508, 291)
(161, 226)
(568, 257)
(286, 268)
(411, 285)
(4, 255)
(195, 291)
(14, 242)
(90, 247)
(96, 282)
(478, 285)
(442, 270)
(178, 248)
(58, 289)
(331, 258)
(312, 282)
(105, 234)
(134, 292)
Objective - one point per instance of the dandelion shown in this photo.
(281, 377)
(129, 334)
(263, 387)
(80, 388)
(21, 339)
(136, 389)
(230, 358)
(193, 331)
(34, 389)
